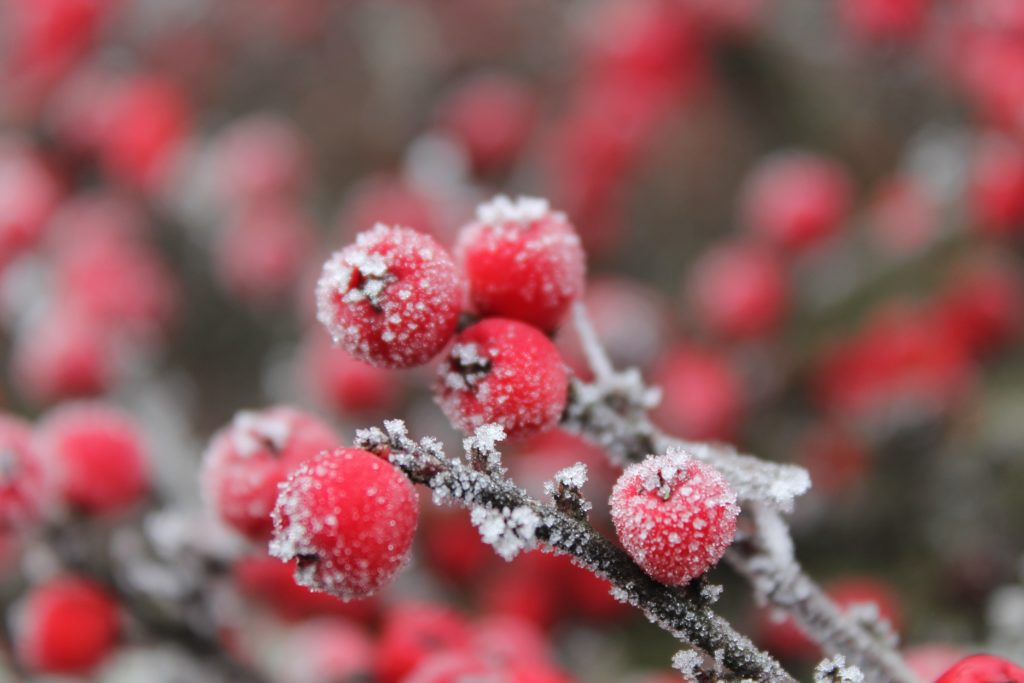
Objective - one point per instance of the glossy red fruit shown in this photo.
(95, 455)
(502, 371)
(738, 290)
(66, 626)
(674, 515)
(391, 299)
(347, 517)
(522, 261)
(411, 633)
(983, 669)
(796, 199)
(22, 478)
(702, 395)
(248, 459)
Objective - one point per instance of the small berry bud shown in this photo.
(674, 515)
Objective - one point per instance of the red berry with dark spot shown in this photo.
(247, 460)
(96, 456)
(738, 290)
(503, 371)
(348, 518)
(66, 626)
(522, 260)
(22, 478)
(391, 299)
(983, 669)
(796, 199)
(674, 515)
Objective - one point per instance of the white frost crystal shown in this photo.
(510, 532)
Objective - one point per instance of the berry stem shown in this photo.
(612, 412)
(682, 612)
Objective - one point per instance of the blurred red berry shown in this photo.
(983, 304)
(884, 20)
(66, 626)
(95, 455)
(834, 456)
(997, 187)
(503, 371)
(796, 199)
(347, 518)
(248, 459)
(411, 633)
(342, 383)
(28, 195)
(903, 216)
(702, 396)
(391, 299)
(738, 290)
(674, 515)
(492, 116)
(327, 651)
(259, 157)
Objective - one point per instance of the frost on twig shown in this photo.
(612, 412)
(512, 522)
(835, 670)
(567, 491)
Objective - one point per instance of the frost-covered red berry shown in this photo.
(522, 260)
(347, 517)
(95, 455)
(738, 290)
(796, 199)
(502, 371)
(247, 460)
(22, 478)
(65, 626)
(411, 633)
(391, 299)
(983, 669)
(674, 515)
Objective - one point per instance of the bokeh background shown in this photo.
(803, 220)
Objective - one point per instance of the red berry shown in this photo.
(928, 661)
(391, 299)
(522, 261)
(903, 215)
(66, 626)
(997, 187)
(503, 371)
(674, 515)
(738, 290)
(983, 669)
(411, 633)
(835, 458)
(247, 460)
(342, 383)
(796, 199)
(28, 194)
(261, 156)
(983, 304)
(702, 396)
(348, 518)
(96, 455)
(878, 20)
(22, 479)
(492, 116)
(326, 651)
(267, 580)
(453, 667)
(261, 254)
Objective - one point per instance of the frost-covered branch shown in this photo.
(612, 411)
(510, 520)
